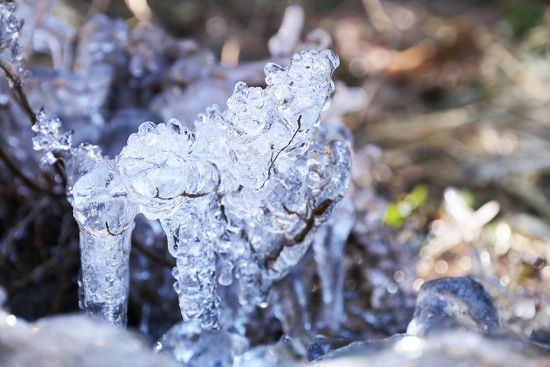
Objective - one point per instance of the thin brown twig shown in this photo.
(187, 195)
(300, 237)
(184, 194)
(112, 233)
(20, 93)
(279, 152)
(17, 172)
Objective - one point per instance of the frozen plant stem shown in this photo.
(106, 221)
(105, 218)
(105, 276)
(244, 192)
(241, 195)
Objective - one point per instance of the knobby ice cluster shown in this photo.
(10, 50)
(239, 198)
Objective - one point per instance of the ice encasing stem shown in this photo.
(105, 275)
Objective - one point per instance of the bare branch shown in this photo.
(19, 93)
(14, 168)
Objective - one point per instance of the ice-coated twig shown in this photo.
(195, 270)
(162, 175)
(240, 197)
(104, 214)
(250, 184)
(105, 218)
(99, 205)
(11, 61)
(105, 276)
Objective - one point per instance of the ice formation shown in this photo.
(192, 346)
(328, 247)
(10, 50)
(239, 197)
(247, 187)
(104, 215)
(285, 40)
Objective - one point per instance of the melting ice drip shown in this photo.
(240, 197)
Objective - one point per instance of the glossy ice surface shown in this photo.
(240, 196)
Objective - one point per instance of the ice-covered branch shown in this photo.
(250, 184)
(105, 217)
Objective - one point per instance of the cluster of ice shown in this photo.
(50, 138)
(192, 346)
(248, 185)
(10, 50)
(103, 212)
(240, 197)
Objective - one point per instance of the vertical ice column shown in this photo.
(106, 219)
(195, 266)
(328, 248)
(105, 275)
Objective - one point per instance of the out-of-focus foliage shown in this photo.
(399, 211)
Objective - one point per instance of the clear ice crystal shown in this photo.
(328, 248)
(105, 217)
(160, 171)
(49, 138)
(193, 347)
(10, 49)
(240, 197)
(100, 202)
(250, 184)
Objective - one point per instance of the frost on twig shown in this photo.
(104, 214)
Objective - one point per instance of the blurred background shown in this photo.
(448, 102)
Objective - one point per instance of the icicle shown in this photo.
(328, 248)
(105, 219)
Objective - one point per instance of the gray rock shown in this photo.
(449, 348)
(460, 302)
(73, 340)
(321, 345)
